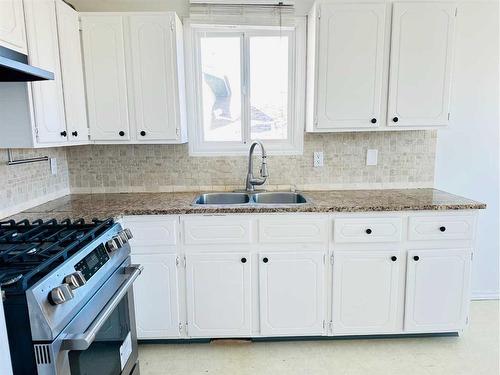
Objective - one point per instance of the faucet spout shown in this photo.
(252, 181)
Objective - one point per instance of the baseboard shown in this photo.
(33, 202)
(479, 296)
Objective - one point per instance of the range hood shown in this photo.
(14, 67)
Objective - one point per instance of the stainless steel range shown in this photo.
(68, 298)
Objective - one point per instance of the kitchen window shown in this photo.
(245, 83)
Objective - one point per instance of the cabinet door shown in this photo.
(72, 72)
(437, 290)
(12, 34)
(350, 65)
(155, 90)
(48, 102)
(218, 294)
(421, 64)
(291, 293)
(156, 297)
(365, 292)
(105, 74)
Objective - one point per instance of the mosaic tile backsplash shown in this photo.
(405, 160)
(25, 183)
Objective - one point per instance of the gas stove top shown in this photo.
(68, 289)
(31, 250)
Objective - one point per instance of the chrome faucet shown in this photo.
(251, 180)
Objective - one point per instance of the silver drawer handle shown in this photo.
(82, 341)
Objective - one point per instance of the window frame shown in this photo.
(293, 145)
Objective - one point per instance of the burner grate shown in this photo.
(28, 251)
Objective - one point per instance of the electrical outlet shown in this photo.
(53, 166)
(318, 158)
(371, 157)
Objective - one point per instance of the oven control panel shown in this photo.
(89, 265)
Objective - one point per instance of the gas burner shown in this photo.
(29, 250)
(7, 279)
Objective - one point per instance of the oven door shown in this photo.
(105, 344)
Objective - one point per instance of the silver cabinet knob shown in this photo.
(60, 294)
(75, 280)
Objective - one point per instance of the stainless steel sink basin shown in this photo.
(222, 198)
(226, 199)
(279, 198)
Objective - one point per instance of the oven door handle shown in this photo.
(82, 341)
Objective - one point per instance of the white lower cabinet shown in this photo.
(437, 290)
(156, 297)
(291, 293)
(238, 276)
(365, 291)
(218, 291)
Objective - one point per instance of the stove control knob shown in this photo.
(114, 244)
(119, 241)
(111, 246)
(123, 236)
(75, 280)
(128, 233)
(60, 294)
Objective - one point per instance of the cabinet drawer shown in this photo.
(367, 230)
(151, 230)
(217, 230)
(441, 227)
(303, 230)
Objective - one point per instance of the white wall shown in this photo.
(467, 158)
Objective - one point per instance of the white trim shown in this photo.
(296, 116)
(483, 296)
(33, 202)
(245, 2)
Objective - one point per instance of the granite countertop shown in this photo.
(89, 206)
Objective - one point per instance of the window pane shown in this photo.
(221, 88)
(268, 87)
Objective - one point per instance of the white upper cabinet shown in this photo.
(72, 73)
(43, 52)
(350, 62)
(421, 64)
(135, 77)
(158, 77)
(359, 81)
(105, 71)
(437, 290)
(12, 29)
(46, 113)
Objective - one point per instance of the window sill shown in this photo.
(243, 151)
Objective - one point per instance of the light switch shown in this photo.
(371, 157)
(318, 159)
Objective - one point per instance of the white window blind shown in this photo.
(257, 15)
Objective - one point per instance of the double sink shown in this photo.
(275, 198)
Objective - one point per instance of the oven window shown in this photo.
(109, 352)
